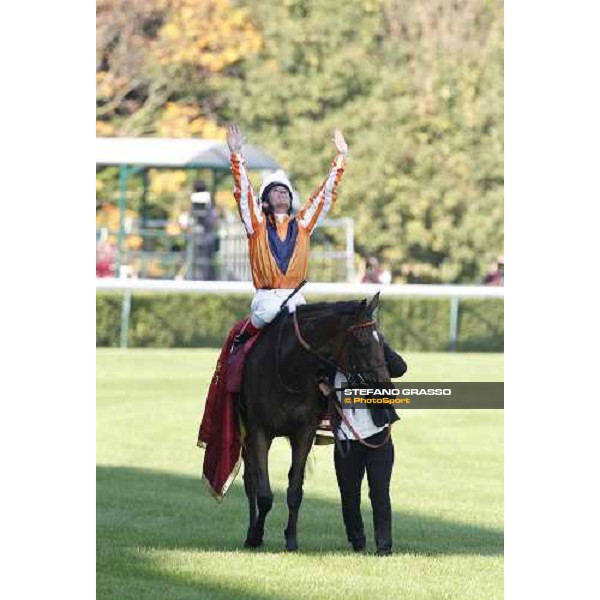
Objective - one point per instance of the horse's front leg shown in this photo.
(258, 452)
(301, 445)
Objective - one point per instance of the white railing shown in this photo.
(361, 290)
(343, 289)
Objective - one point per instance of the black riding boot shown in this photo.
(243, 336)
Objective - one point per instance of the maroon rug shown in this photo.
(220, 431)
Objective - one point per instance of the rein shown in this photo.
(329, 391)
(351, 376)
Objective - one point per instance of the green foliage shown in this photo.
(417, 89)
(481, 326)
(415, 85)
(184, 320)
(108, 312)
(189, 320)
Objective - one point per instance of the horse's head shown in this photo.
(365, 345)
(347, 333)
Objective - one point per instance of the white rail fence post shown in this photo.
(454, 314)
(125, 315)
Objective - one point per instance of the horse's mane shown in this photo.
(343, 307)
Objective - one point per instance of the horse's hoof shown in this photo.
(291, 546)
(252, 543)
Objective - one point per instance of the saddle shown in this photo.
(236, 361)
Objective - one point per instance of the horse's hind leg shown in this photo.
(301, 445)
(250, 488)
(258, 451)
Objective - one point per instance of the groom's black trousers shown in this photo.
(350, 471)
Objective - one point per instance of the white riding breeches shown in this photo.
(266, 304)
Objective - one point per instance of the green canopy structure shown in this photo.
(135, 156)
(169, 153)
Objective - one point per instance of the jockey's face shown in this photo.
(279, 199)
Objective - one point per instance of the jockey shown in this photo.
(278, 242)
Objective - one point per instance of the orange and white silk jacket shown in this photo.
(279, 250)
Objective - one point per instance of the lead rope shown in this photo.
(329, 392)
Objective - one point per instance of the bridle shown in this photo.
(353, 375)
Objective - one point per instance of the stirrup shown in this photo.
(324, 438)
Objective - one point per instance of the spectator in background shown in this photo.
(105, 259)
(204, 223)
(372, 272)
(495, 276)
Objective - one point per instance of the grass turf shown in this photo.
(161, 535)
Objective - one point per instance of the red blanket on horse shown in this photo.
(220, 431)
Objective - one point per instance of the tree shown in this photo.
(417, 89)
(159, 63)
(416, 86)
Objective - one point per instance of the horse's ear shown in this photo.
(361, 310)
(373, 304)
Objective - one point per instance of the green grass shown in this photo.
(161, 535)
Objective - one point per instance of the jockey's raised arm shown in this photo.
(324, 197)
(249, 209)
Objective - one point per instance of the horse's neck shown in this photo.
(289, 350)
(322, 340)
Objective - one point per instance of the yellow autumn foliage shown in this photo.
(104, 129)
(139, 43)
(166, 182)
(184, 120)
(108, 218)
(212, 34)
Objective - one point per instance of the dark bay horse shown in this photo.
(280, 396)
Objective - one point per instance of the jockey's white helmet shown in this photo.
(277, 178)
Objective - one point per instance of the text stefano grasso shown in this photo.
(397, 392)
